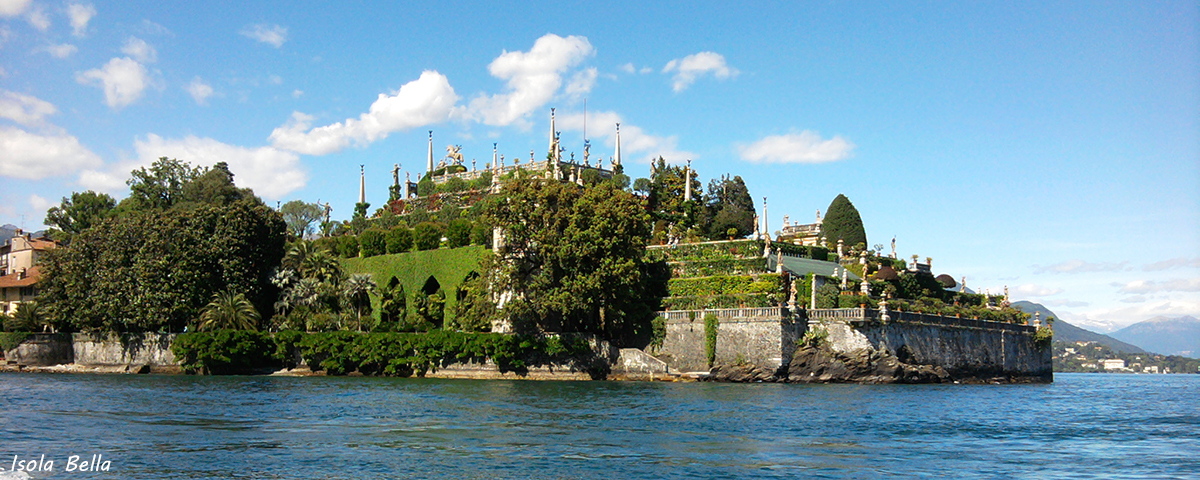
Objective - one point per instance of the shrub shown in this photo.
(427, 235)
(347, 246)
(225, 352)
(814, 337)
(458, 233)
(399, 239)
(373, 242)
(481, 234)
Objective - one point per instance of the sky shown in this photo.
(1052, 148)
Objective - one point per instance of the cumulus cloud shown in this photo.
(581, 83)
(803, 147)
(12, 8)
(199, 91)
(273, 35)
(33, 156)
(636, 144)
(140, 50)
(24, 109)
(297, 93)
(1164, 286)
(628, 68)
(532, 78)
(426, 100)
(1080, 266)
(123, 80)
(80, 14)
(691, 67)
(1032, 290)
(60, 51)
(1172, 263)
(40, 204)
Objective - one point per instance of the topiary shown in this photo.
(842, 222)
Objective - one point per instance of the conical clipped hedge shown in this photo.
(843, 222)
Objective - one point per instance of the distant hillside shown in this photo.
(1168, 336)
(1065, 332)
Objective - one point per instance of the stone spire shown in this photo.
(687, 182)
(494, 164)
(429, 160)
(617, 156)
(362, 184)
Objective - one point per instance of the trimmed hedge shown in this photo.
(707, 251)
(725, 285)
(725, 266)
(747, 300)
(386, 354)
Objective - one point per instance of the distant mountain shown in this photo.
(1168, 336)
(1065, 332)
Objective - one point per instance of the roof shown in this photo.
(13, 280)
(804, 266)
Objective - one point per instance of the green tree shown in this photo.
(356, 293)
(574, 254)
(29, 317)
(80, 212)
(160, 187)
(228, 311)
(155, 270)
(213, 186)
(842, 222)
(728, 206)
(300, 216)
(393, 306)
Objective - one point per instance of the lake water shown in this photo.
(1081, 426)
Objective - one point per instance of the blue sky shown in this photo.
(1053, 148)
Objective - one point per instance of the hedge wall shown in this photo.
(448, 266)
(725, 285)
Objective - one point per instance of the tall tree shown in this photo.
(160, 187)
(572, 256)
(842, 222)
(213, 186)
(729, 207)
(80, 212)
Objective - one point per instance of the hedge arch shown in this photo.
(448, 267)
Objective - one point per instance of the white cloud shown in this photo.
(38, 18)
(1154, 286)
(1173, 263)
(426, 100)
(1064, 303)
(24, 109)
(271, 172)
(1134, 299)
(803, 147)
(1032, 290)
(275, 80)
(199, 90)
(80, 14)
(123, 80)
(140, 50)
(628, 68)
(273, 35)
(60, 51)
(40, 204)
(12, 8)
(297, 93)
(581, 83)
(646, 70)
(688, 68)
(32, 156)
(636, 144)
(532, 77)
(1080, 266)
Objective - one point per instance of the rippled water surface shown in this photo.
(1082, 426)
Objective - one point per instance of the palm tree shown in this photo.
(229, 310)
(356, 292)
(28, 318)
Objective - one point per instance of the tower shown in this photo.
(494, 164)
(362, 184)
(553, 138)
(687, 182)
(429, 161)
(617, 156)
